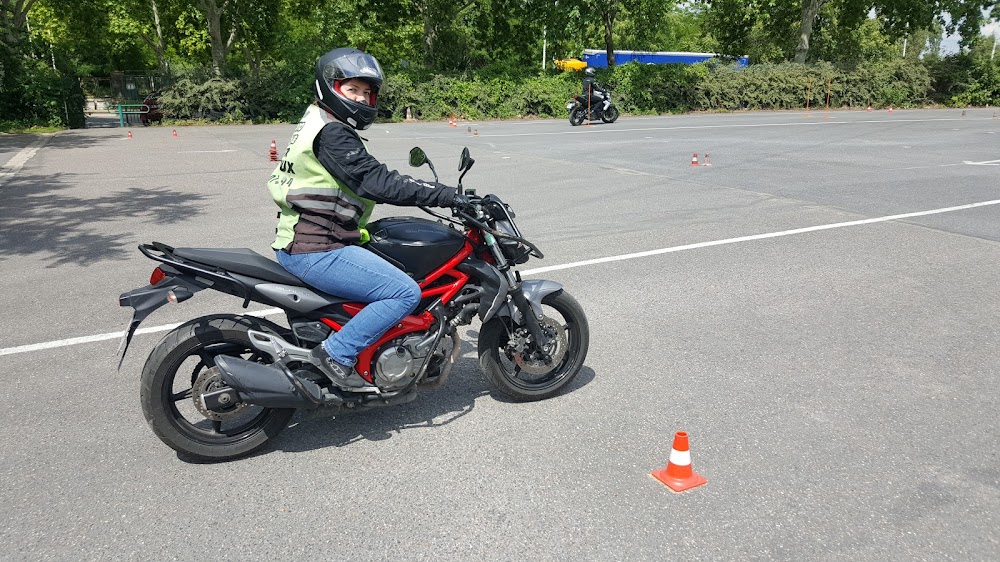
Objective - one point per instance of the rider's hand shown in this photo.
(463, 203)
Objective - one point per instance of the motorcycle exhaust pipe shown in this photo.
(270, 386)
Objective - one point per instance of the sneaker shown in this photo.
(343, 376)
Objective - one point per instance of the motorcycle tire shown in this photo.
(164, 407)
(577, 115)
(611, 115)
(507, 380)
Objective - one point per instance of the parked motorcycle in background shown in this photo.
(578, 111)
(221, 386)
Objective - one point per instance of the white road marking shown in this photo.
(986, 163)
(272, 311)
(15, 164)
(203, 151)
(609, 129)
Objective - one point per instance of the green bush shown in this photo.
(33, 94)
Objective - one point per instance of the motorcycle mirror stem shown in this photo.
(418, 158)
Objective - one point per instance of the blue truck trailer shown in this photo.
(599, 58)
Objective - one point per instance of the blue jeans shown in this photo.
(354, 273)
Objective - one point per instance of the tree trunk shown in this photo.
(159, 44)
(13, 15)
(213, 16)
(810, 9)
(610, 11)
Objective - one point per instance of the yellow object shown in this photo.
(570, 64)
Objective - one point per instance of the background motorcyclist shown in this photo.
(594, 92)
(326, 187)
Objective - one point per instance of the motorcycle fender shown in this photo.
(534, 291)
(145, 300)
(494, 284)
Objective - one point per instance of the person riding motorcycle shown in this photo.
(326, 187)
(592, 91)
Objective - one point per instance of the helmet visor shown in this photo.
(353, 65)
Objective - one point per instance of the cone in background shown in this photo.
(707, 162)
(174, 134)
(451, 122)
(130, 134)
(890, 109)
(475, 133)
(869, 110)
(409, 116)
(963, 113)
(468, 131)
(678, 475)
(694, 159)
(274, 151)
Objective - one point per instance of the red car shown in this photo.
(153, 114)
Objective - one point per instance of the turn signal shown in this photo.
(157, 276)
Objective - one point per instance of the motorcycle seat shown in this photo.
(242, 261)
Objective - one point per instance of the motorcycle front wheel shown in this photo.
(502, 343)
(577, 115)
(181, 368)
(611, 115)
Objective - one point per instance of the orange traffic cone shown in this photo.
(890, 109)
(707, 161)
(274, 151)
(678, 475)
(130, 134)
(451, 122)
(174, 134)
(694, 159)
(869, 108)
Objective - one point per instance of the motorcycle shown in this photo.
(222, 386)
(578, 111)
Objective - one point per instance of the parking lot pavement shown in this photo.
(817, 310)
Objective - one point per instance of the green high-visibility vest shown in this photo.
(301, 173)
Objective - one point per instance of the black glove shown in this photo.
(463, 203)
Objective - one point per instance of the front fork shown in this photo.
(530, 317)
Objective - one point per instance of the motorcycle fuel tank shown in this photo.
(421, 245)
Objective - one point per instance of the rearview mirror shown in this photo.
(417, 157)
(466, 161)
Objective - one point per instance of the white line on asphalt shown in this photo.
(986, 163)
(203, 151)
(272, 311)
(606, 129)
(15, 164)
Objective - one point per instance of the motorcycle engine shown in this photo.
(398, 361)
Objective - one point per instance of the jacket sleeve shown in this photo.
(342, 153)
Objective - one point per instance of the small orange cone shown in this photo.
(869, 108)
(174, 134)
(707, 161)
(451, 122)
(678, 475)
(890, 109)
(130, 134)
(694, 159)
(274, 151)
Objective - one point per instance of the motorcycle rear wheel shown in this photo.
(577, 115)
(508, 380)
(611, 115)
(168, 380)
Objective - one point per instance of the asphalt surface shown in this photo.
(838, 385)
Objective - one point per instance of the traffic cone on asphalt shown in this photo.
(694, 159)
(130, 135)
(174, 134)
(707, 162)
(475, 133)
(468, 131)
(869, 110)
(890, 109)
(451, 122)
(274, 151)
(678, 475)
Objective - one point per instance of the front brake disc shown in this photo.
(556, 350)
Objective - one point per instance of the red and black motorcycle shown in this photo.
(219, 387)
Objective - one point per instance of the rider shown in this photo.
(594, 92)
(326, 187)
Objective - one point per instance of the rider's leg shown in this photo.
(357, 274)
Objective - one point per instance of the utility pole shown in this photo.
(544, 30)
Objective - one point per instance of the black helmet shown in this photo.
(590, 71)
(343, 64)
